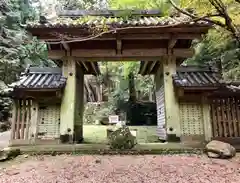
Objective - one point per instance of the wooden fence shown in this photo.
(225, 115)
(21, 119)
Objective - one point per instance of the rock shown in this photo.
(4, 126)
(122, 139)
(218, 149)
(98, 161)
(212, 155)
(8, 153)
(54, 153)
(3, 155)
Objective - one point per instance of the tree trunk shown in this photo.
(131, 86)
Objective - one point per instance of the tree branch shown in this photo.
(222, 12)
(204, 18)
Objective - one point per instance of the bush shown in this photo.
(122, 139)
(96, 111)
(5, 102)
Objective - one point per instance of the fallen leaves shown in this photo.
(129, 168)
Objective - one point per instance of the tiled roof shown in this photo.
(196, 77)
(41, 78)
(234, 88)
(116, 22)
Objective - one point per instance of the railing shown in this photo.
(225, 113)
(21, 119)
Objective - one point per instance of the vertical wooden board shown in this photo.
(214, 110)
(18, 119)
(227, 117)
(14, 120)
(23, 113)
(223, 116)
(230, 117)
(220, 117)
(234, 116)
(237, 107)
(28, 118)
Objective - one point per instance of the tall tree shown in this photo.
(224, 14)
(221, 47)
(83, 4)
(17, 48)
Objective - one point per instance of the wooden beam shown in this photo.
(183, 53)
(144, 52)
(94, 67)
(14, 119)
(130, 53)
(152, 66)
(117, 58)
(88, 53)
(84, 65)
(135, 36)
(180, 92)
(56, 54)
(172, 42)
(119, 47)
(65, 45)
(144, 67)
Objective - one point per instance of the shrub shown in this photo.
(122, 139)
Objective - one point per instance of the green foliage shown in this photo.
(17, 48)
(82, 4)
(122, 139)
(163, 5)
(5, 102)
(219, 49)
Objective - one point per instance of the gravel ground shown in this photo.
(126, 169)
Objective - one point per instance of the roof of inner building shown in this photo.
(194, 76)
(41, 78)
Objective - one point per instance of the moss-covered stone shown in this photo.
(122, 138)
(7, 153)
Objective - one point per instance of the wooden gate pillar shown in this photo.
(171, 101)
(78, 125)
(206, 118)
(68, 105)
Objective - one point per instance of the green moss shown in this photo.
(98, 134)
(122, 152)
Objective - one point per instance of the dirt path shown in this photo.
(126, 169)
